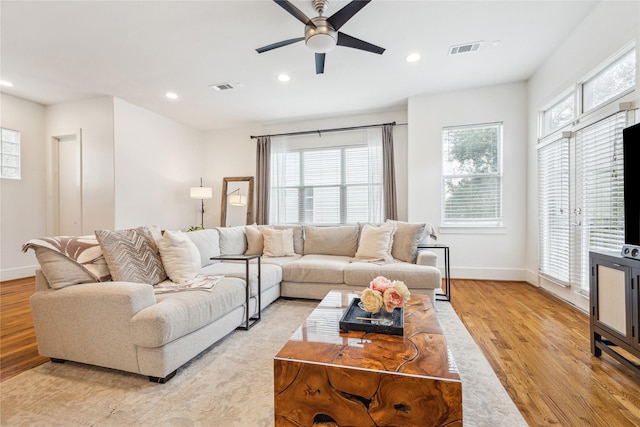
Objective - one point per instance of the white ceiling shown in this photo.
(55, 51)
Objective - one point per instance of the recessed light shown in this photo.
(414, 57)
(171, 95)
(284, 77)
(6, 83)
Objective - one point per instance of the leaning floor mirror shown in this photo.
(237, 201)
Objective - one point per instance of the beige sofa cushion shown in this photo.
(180, 313)
(232, 240)
(208, 244)
(340, 240)
(414, 276)
(298, 239)
(132, 255)
(316, 268)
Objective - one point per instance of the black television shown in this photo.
(631, 156)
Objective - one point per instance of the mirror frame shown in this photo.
(223, 213)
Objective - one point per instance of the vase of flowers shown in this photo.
(382, 297)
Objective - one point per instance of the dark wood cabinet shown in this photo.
(615, 302)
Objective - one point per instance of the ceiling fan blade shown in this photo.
(300, 16)
(320, 63)
(349, 41)
(279, 44)
(339, 18)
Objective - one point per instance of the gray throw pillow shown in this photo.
(132, 255)
(406, 239)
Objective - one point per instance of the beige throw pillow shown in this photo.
(376, 242)
(255, 240)
(180, 256)
(278, 243)
(406, 239)
(132, 255)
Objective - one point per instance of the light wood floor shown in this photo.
(537, 345)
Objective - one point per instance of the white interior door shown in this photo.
(68, 167)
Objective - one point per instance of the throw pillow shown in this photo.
(132, 255)
(406, 239)
(340, 240)
(376, 242)
(255, 241)
(278, 242)
(180, 256)
(232, 240)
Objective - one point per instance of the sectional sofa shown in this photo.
(147, 302)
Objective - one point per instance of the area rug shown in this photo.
(231, 384)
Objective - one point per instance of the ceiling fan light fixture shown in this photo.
(321, 43)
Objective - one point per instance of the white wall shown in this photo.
(618, 23)
(157, 160)
(22, 205)
(475, 253)
(94, 119)
(232, 152)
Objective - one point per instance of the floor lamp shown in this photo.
(201, 193)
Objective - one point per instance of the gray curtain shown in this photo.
(389, 173)
(263, 170)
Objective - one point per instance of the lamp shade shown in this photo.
(201, 192)
(237, 200)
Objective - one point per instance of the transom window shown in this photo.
(10, 154)
(472, 175)
(614, 80)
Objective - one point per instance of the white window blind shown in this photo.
(327, 185)
(554, 214)
(599, 192)
(10, 154)
(472, 175)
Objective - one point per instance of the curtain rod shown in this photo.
(307, 132)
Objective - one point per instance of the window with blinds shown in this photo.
(472, 175)
(10, 154)
(326, 186)
(599, 192)
(553, 210)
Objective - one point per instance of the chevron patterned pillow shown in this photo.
(132, 255)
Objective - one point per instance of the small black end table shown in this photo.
(250, 321)
(447, 272)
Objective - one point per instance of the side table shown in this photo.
(447, 272)
(250, 321)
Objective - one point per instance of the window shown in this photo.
(614, 80)
(558, 115)
(553, 206)
(10, 153)
(472, 175)
(326, 185)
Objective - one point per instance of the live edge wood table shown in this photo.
(367, 379)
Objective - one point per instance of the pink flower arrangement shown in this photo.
(383, 292)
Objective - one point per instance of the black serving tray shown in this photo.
(350, 322)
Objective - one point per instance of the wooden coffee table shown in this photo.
(367, 379)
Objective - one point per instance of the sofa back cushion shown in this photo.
(340, 240)
(132, 255)
(208, 244)
(232, 240)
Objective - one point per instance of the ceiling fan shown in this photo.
(321, 33)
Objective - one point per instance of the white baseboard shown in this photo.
(515, 274)
(18, 273)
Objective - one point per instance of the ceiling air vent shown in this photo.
(225, 86)
(465, 48)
